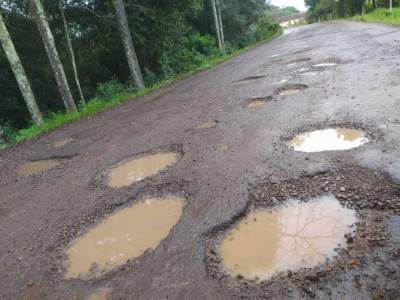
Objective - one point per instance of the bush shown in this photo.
(7, 133)
(108, 90)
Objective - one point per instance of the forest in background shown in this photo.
(170, 37)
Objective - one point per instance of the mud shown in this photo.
(297, 235)
(126, 234)
(40, 216)
(37, 167)
(373, 195)
(208, 125)
(140, 168)
(100, 294)
(290, 89)
(329, 140)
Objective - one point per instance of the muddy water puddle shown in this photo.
(329, 140)
(62, 143)
(256, 104)
(208, 125)
(37, 167)
(290, 89)
(124, 235)
(140, 168)
(100, 294)
(301, 234)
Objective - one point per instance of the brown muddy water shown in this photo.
(62, 143)
(100, 294)
(124, 235)
(256, 104)
(301, 234)
(140, 168)
(37, 167)
(207, 125)
(329, 140)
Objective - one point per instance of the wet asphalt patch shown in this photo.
(367, 260)
(37, 167)
(258, 102)
(290, 89)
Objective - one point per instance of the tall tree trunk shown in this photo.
(50, 46)
(127, 42)
(72, 54)
(391, 5)
(19, 73)
(217, 28)
(221, 26)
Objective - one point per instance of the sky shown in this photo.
(299, 4)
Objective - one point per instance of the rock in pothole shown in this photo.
(329, 140)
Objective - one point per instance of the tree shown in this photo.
(221, 25)
(72, 53)
(217, 27)
(127, 42)
(49, 44)
(19, 73)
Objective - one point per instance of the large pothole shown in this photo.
(138, 169)
(126, 234)
(266, 240)
(329, 140)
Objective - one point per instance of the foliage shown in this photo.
(288, 11)
(381, 16)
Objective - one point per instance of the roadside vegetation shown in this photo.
(67, 60)
(384, 11)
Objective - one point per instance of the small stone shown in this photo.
(342, 189)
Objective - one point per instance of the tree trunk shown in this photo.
(50, 46)
(127, 42)
(391, 5)
(221, 26)
(72, 54)
(217, 28)
(19, 73)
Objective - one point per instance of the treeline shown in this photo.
(108, 46)
(331, 9)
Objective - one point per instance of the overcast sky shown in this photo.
(299, 4)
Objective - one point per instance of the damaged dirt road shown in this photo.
(226, 150)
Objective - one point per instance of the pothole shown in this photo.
(328, 63)
(126, 234)
(37, 167)
(329, 140)
(298, 235)
(62, 143)
(140, 168)
(222, 147)
(290, 89)
(100, 294)
(248, 79)
(208, 125)
(258, 102)
(289, 218)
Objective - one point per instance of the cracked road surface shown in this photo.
(349, 73)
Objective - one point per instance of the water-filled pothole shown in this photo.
(258, 102)
(298, 235)
(290, 89)
(208, 125)
(124, 235)
(329, 140)
(37, 167)
(62, 143)
(140, 168)
(100, 294)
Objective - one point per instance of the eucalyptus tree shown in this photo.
(218, 26)
(52, 53)
(127, 42)
(19, 72)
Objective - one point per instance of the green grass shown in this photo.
(381, 15)
(94, 106)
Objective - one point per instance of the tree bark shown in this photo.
(127, 42)
(72, 54)
(221, 26)
(217, 28)
(19, 73)
(50, 46)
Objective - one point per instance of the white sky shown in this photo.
(299, 4)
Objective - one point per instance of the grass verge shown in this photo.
(381, 15)
(94, 106)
